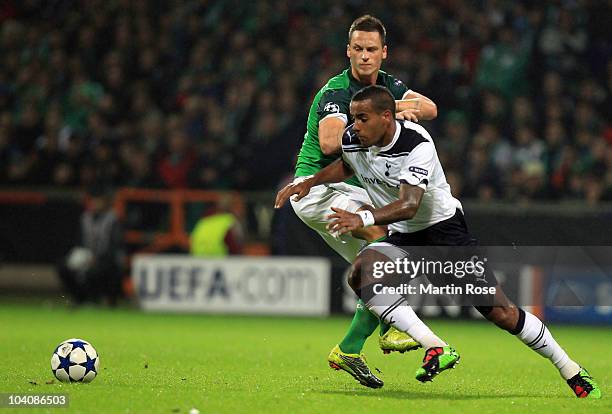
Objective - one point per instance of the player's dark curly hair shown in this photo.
(367, 23)
(380, 97)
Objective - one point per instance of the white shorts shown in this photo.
(316, 206)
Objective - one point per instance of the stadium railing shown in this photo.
(176, 202)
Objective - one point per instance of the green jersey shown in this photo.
(333, 100)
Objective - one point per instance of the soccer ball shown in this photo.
(75, 360)
(79, 259)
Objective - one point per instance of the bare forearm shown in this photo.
(392, 213)
(335, 172)
(427, 109)
(403, 209)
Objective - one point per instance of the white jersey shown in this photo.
(410, 158)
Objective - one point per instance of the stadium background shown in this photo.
(194, 100)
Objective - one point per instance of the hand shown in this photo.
(408, 115)
(301, 189)
(343, 221)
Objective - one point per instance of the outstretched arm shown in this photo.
(335, 172)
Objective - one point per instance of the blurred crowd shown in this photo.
(214, 94)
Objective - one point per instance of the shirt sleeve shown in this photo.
(345, 159)
(398, 89)
(418, 166)
(334, 103)
(406, 93)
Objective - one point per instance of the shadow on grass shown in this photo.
(432, 395)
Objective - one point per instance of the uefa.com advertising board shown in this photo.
(563, 284)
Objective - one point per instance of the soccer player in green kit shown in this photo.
(327, 119)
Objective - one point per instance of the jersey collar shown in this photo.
(356, 82)
(376, 149)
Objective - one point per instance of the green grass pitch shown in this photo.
(170, 363)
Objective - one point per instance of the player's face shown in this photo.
(366, 53)
(369, 125)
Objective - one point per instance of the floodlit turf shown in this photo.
(160, 363)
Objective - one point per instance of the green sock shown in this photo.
(384, 327)
(363, 325)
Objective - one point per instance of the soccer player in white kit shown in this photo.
(397, 163)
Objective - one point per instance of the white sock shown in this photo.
(537, 336)
(400, 315)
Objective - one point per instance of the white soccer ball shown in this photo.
(75, 360)
(79, 259)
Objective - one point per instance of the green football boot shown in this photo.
(437, 360)
(355, 365)
(584, 386)
(396, 341)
